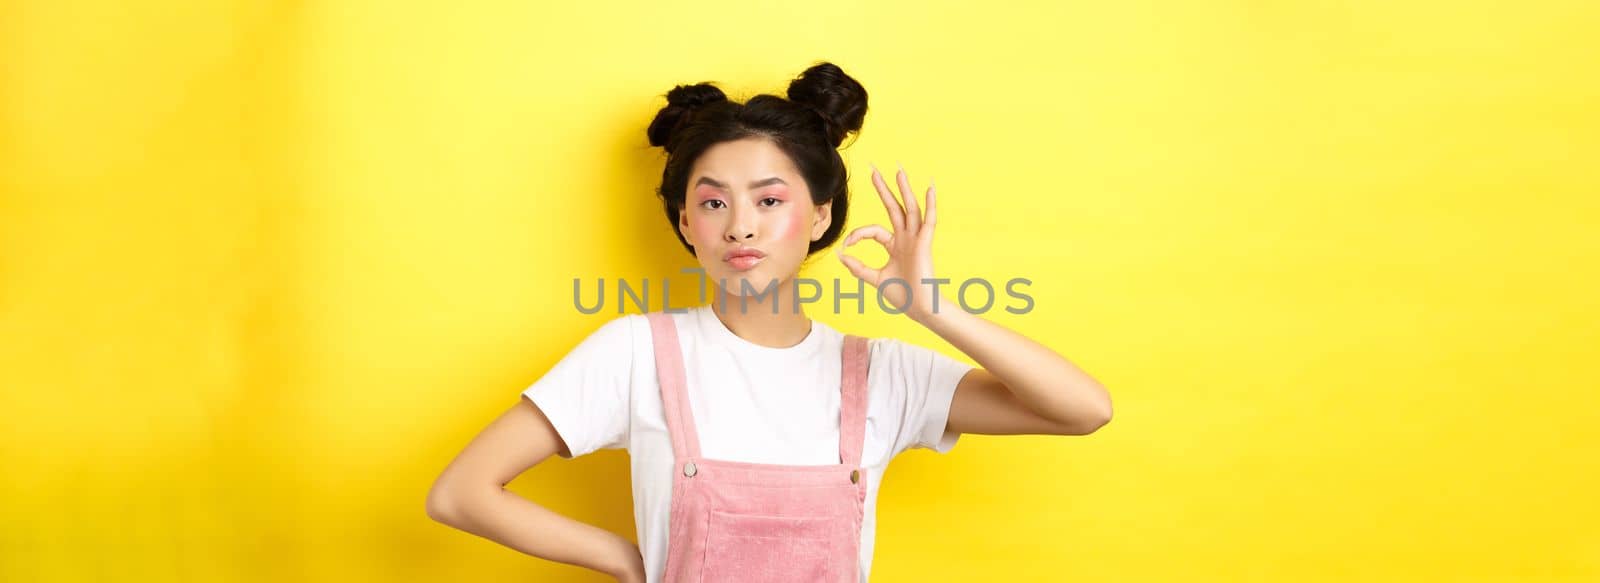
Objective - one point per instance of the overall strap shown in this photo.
(674, 397)
(853, 400)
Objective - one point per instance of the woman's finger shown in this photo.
(859, 269)
(913, 214)
(897, 214)
(876, 232)
(930, 217)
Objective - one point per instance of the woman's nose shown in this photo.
(739, 228)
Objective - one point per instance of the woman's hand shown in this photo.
(910, 248)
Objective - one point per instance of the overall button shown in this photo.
(855, 475)
(689, 470)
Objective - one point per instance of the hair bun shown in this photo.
(839, 99)
(682, 102)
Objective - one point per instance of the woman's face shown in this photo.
(747, 194)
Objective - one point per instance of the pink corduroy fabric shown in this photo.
(750, 522)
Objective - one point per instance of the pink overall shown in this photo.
(750, 522)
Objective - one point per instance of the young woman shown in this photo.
(756, 435)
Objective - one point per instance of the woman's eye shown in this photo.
(712, 201)
(771, 199)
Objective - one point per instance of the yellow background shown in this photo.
(265, 267)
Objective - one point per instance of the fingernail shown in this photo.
(902, 168)
(874, 167)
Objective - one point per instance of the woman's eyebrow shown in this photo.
(756, 184)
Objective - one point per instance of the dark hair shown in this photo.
(824, 106)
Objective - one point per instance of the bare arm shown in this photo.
(1023, 388)
(470, 495)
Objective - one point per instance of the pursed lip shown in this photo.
(743, 252)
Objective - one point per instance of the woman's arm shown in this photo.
(1022, 386)
(470, 495)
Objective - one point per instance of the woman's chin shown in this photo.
(748, 282)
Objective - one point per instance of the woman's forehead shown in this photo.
(741, 162)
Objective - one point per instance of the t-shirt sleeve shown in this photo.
(921, 383)
(586, 394)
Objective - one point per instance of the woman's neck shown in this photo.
(752, 318)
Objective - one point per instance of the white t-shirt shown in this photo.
(751, 403)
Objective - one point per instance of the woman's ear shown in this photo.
(683, 227)
(823, 221)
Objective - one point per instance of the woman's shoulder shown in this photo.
(894, 351)
(616, 336)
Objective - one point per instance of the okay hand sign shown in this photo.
(910, 248)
